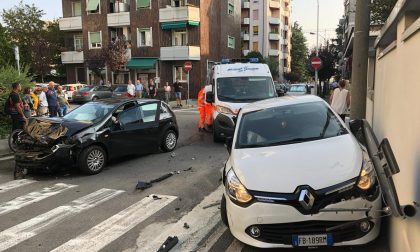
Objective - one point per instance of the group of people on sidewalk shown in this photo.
(42, 101)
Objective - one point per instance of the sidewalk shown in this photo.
(4, 148)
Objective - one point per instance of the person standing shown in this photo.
(167, 90)
(35, 99)
(340, 99)
(139, 89)
(62, 102)
(201, 109)
(16, 108)
(152, 89)
(131, 89)
(52, 100)
(43, 103)
(209, 107)
(178, 89)
(28, 103)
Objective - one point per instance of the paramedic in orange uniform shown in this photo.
(209, 108)
(201, 109)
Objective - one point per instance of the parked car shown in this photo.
(40, 85)
(281, 89)
(119, 90)
(297, 177)
(96, 132)
(299, 89)
(70, 88)
(91, 93)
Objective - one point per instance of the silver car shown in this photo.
(91, 93)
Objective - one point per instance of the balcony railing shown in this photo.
(245, 5)
(70, 23)
(245, 21)
(274, 20)
(245, 37)
(274, 36)
(118, 19)
(274, 4)
(180, 53)
(72, 57)
(176, 14)
(273, 52)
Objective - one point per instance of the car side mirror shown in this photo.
(209, 97)
(228, 144)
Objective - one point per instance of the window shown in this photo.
(231, 8)
(178, 3)
(95, 40)
(180, 38)
(93, 6)
(255, 30)
(231, 42)
(255, 46)
(164, 112)
(78, 42)
(255, 14)
(180, 74)
(76, 9)
(144, 37)
(148, 112)
(143, 4)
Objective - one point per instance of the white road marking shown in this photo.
(111, 229)
(201, 221)
(235, 246)
(14, 184)
(213, 238)
(33, 197)
(7, 158)
(32, 227)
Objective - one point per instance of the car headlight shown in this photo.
(224, 110)
(367, 175)
(235, 189)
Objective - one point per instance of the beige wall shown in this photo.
(396, 115)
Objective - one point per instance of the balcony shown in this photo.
(274, 20)
(70, 23)
(273, 52)
(285, 55)
(180, 53)
(72, 57)
(285, 69)
(118, 19)
(284, 41)
(274, 36)
(245, 21)
(245, 5)
(245, 37)
(176, 14)
(245, 52)
(286, 27)
(274, 4)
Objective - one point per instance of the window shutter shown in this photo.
(92, 5)
(95, 37)
(143, 3)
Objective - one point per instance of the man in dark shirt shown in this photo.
(177, 89)
(52, 100)
(16, 107)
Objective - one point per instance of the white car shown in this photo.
(297, 177)
(70, 88)
(299, 89)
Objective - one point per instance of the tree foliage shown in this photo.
(255, 54)
(95, 61)
(55, 37)
(41, 54)
(9, 75)
(380, 10)
(115, 55)
(298, 53)
(328, 56)
(273, 65)
(6, 49)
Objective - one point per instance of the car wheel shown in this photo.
(216, 137)
(169, 141)
(92, 160)
(95, 98)
(13, 139)
(223, 212)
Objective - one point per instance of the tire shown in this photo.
(12, 140)
(95, 98)
(223, 212)
(216, 138)
(92, 160)
(169, 141)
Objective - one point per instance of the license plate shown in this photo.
(118, 94)
(312, 240)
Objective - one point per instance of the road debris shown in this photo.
(141, 185)
(212, 205)
(173, 154)
(186, 226)
(155, 197)
(168, 244)
(189, 169)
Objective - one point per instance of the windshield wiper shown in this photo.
(296, 140)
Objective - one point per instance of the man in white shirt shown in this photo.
(340, 99)
(131, 89)
(43, 103)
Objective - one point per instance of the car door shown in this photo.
(149, 127)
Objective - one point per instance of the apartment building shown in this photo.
(266, 28)
(161, 35)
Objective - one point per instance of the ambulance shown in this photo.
(236, 83)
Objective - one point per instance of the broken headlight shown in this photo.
(367, 174)
(235, 189)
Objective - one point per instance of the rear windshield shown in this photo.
(120, 89)
(298, 88)
(84, 89)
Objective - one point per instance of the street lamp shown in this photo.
(317, 37)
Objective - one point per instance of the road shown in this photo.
(69, 211)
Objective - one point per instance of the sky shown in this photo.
(303, 12)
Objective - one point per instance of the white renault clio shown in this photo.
(297, 176)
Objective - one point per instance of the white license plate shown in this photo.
(312, 240)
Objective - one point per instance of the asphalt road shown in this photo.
(69, 211)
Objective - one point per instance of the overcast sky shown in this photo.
(303, 11)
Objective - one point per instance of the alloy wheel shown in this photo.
(95, 160)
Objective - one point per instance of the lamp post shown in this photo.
(316, 48)
(17, 57)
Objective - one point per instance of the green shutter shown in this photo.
(92, 5)
(231, 42)
(95, 37)
(143, 3)
(231, 8)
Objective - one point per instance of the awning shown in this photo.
(142, 63)
(177, 25)
(92, 5)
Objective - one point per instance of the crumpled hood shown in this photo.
(281, 169)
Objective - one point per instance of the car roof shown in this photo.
(120, 101)
(280, 101)
(74, 84)
(242, 69)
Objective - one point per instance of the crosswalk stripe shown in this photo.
(214, 237)
(33, 197)
(111, 229)
(14, 184)
(201, 220)
(30, 228)
(235, 246)
(7, 158)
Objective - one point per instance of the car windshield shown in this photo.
(85, 89)
(120, 89)
(90, 112)
(298, 88)
(244, 89)
(287, 125)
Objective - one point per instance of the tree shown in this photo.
(6, 49)
(55, 37)
(298, 53)
(274, 65)
(116, 54)
(328, 56)
(255, 54)
(41, 56)
(380, 10)
(95, 61)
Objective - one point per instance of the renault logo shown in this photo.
(306, 199)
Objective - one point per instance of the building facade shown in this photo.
(161, 35)
(266, 28)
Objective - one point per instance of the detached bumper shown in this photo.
(223, 126)
(44, 160)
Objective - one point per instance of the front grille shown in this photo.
(282, 233)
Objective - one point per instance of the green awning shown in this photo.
(177, 25)
(142, 63)
(92, 5)
(143, 3)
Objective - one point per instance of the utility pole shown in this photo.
(360, 60)
(317, 49)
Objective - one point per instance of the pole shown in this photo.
(188, 88)
(17, 57)
(316, 48)
(360, 60)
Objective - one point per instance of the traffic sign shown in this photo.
(316, 62)
(187, 66)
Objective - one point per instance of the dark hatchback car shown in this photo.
(96, 132)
